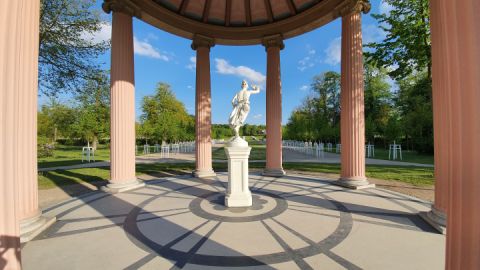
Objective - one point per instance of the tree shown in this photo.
(55, 120)
(93, 110)
(378, 99)
(67, 55)
(167, 116)
(318, 118)
(406, 48)
(414, 101)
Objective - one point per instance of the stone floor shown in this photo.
(296, 222)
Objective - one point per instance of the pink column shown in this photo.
(203, 119)
(14, 19)
(456, 45)
(352, 124)
(122, 92)
(441, 124)
(274, 167)
(31, 220)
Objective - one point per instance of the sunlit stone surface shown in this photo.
(295, 222)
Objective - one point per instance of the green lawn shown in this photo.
(258, 152)
(412, 175)
(408, 156)
(64, 155)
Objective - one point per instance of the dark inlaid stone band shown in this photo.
(217, 199)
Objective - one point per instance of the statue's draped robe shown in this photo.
(241, 108)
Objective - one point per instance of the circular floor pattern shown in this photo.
(295, 222)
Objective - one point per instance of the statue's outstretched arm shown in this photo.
(255, 90)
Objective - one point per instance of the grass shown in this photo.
(412, 175)
(65, 155)
(417, 176)
(59, 178)
(72, 155)
(408, 156)
(258, 153)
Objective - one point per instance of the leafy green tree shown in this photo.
(167, 116)
(414, 101)
(378, 102)
(318, 118)
(67, 56)
(54, 120)
(93, 110)
(407, 47)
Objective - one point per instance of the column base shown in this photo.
(31, 227)
(204, 173)
(354, 183)
(436, 218)
(238, 200)
(122, 187)
(274, 172)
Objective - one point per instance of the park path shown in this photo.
(288, 156)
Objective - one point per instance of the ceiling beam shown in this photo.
(268, 7)
(291, 7)
(228, 12)
(248, 13)
(183, 7)
(206, 10)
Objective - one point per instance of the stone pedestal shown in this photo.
(238, 193)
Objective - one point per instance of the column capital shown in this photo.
(353, 6)
(199, 41)
(273, 41)
(123, 6)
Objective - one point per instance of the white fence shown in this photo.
(166, 149)
(308, 148)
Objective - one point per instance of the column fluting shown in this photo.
(122, 102)
(273, 46)
(352, 123)
(203, 111)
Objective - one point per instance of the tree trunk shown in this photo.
(95, 142)
(55, 135)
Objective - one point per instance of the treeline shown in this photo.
(87, 119)
(402, 114)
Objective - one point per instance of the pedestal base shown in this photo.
(238, 193)
(31, 227)
(436, 218)
(204, 174)
(353, 183)
(117, 188)
(274, 172)
(239, 200)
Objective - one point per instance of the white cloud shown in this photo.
(334, 52)
(223, 67)
(102, 35)
(258, 116)
(308, 61)
(304, 88)
(385, 7)
(373, 33)
(144, 48)
(193, 63)
(190, 87)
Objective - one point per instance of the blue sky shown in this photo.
(163, 57)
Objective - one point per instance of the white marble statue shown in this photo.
(241, 107)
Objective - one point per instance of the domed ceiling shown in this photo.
(238, 13)
(236, 22)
